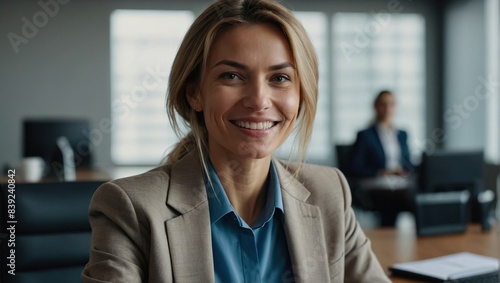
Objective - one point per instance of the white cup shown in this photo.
(32, 168)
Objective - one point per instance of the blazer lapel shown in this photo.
(303, 230)
(188, 234)
(379, 147)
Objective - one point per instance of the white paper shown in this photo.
(452, 266)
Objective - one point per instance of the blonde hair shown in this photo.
(191, 58)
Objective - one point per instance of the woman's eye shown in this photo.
(229, 76)
(281, 78)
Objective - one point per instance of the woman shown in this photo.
(222, 209)
(381, 149)
(380, 164)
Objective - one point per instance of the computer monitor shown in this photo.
(40, 139)
(444, 171)
(447, 171)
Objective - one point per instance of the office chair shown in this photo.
(343, 155)
(52, 235)
(386, 203)
(359, 199)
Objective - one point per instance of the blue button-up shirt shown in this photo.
(243, 253)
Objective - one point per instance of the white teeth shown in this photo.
(254, 126)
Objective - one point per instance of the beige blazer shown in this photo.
(155, 227)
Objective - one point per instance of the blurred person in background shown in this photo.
(381, 149)
(380, 162)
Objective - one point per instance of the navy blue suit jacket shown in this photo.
(368, 156)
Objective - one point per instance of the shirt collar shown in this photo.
(219, 204)
(381, 128)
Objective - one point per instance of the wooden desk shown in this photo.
(84, 174)
(91, 174)
(392, 245)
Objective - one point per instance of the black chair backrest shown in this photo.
(52, 231)
(343, 157)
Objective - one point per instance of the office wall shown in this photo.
(62, 69)
(464, 75)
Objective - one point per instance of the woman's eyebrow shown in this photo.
(232, 64)
(281, 66)
(245, 67)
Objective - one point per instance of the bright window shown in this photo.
(143, 46)
(373, 52)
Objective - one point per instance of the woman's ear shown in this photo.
(194, 98)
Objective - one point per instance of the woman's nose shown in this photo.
(257, 96)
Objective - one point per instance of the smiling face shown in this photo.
(249, 92)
